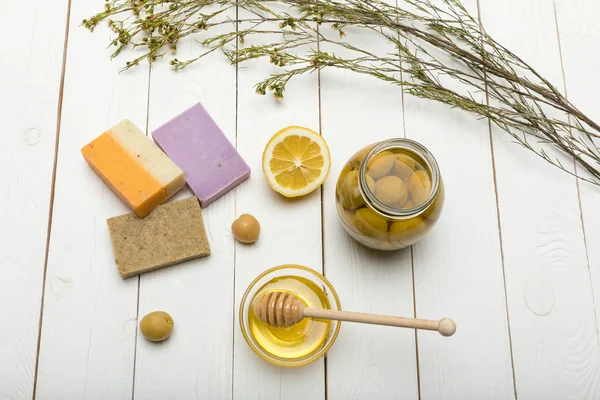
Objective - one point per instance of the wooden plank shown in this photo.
(578, 31)
(579, 35)
(89, 319)
(458, 268)
(549, 296)
(290, 228)
(30, 80)
(196, 362)
(367, 361)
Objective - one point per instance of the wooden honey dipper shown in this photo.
(283, 309)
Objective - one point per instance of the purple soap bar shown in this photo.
(211, 164)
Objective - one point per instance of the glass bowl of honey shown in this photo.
(390, 194)
(303, 342)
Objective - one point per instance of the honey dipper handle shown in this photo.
(446, 327)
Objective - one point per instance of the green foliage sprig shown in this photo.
(437, 52)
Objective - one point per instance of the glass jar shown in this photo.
(390, 194)
(304, 342)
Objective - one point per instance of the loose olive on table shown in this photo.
(156, 326)
(390, 194)
(246, 229)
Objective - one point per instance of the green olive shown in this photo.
(246, 229)
(399, 227)
(346, 215)
(381, 164)
(370, 183)
(351, 197)
(391, 191)
(370, 223)
(409, 204)
(386, 245)
(356, 159)
(156, 326)
(419, 186)
(404, 166)
(362, 153)
(341, 179)
(406, 232)
(433, 212)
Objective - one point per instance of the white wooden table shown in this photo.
(508, 260)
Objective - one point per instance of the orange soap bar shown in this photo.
(133, 167)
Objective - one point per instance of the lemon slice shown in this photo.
(296, 161)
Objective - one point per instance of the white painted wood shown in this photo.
(196, 362)
(554, 332)
(89, 326)
(366, 361)
(290, 228)
(458, 268)
(579, 36)
(29, 92)
(581, 57)
(89, 321)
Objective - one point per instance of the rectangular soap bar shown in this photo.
(133, 167)
(170, 234)
(211, 164)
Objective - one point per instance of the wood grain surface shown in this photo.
(198, 341)
(513, 259)
(86, 304)
(547, 280)
(30, 88)
(290, 228)
(366, 361)
(458, 270)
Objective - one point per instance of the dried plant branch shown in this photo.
(437, 52)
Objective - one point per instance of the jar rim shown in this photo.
(413, 147)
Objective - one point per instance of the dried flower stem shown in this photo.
(436, 52)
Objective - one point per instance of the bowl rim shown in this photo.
(274, 361)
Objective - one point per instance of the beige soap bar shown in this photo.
(133, 167)
(170, 234)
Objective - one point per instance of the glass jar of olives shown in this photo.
(390, 194)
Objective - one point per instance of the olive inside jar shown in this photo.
(390, 194)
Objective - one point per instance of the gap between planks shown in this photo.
(577, 184)
(493, 160)
(52, 188)
(235, 208)
(412, 256)
(319, 100)
(139, 277)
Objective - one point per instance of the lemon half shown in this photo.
(296, 161)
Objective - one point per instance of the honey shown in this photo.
(302, 339)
